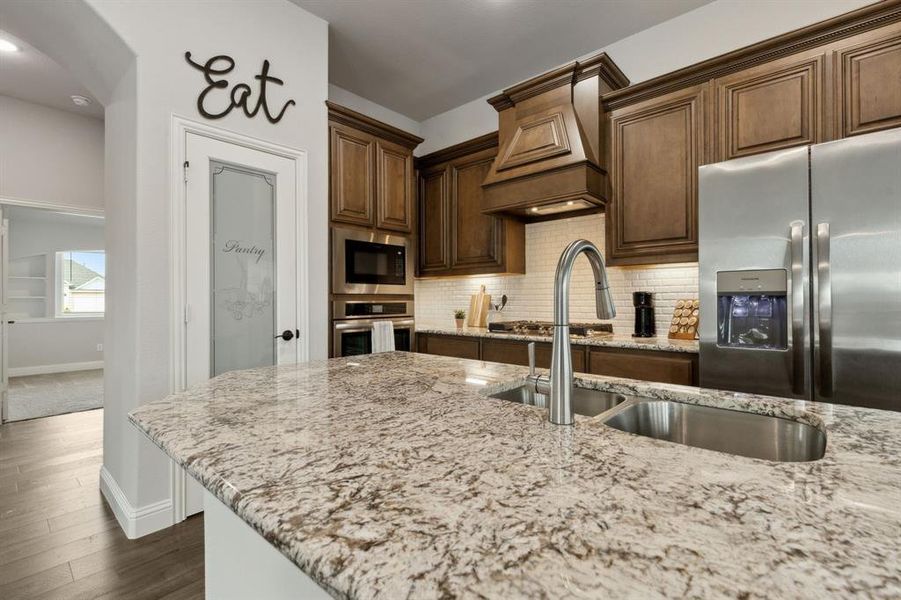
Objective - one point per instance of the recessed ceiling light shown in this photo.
(81, 100)
(7, 46)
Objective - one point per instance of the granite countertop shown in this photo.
(394, 476)
(616, 340)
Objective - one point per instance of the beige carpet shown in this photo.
(54, 394)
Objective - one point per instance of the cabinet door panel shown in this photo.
(776, 105)
(433, 221)
(448, 345)
(394, 176)
(868, 84)
(475, 237)
(517, 353)
(657, 147)
(645, 366)
(352, 183)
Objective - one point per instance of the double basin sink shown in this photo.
(729, 431)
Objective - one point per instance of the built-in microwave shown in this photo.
(365, 262)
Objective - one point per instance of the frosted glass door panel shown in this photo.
(242, 257)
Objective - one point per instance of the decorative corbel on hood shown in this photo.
(550, 162)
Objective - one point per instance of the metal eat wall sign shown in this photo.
(240, 95)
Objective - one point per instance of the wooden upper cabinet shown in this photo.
(868, 82)
(394, 187)
(775, 105)
(455, 236)
(371, 174)
(475, 237)
(352, 177)
(434, 222)
(837, 78)
(656, 149)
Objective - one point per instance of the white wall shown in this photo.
(35, 230)
(531, 296)
(51, 345)
(703, 33)
(371, 109)
(50, 155)
(138, 244)
(54, 346)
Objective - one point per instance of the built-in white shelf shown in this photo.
(27, 287)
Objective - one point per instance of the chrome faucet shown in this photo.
(559, 386)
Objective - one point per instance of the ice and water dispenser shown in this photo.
(752, 309)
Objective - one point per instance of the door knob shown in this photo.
(286, 335)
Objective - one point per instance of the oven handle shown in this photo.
(366, 325)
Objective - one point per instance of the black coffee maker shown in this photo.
(644, 314)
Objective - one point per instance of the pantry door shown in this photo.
(242, 259)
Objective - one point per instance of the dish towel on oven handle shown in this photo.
(382, 336)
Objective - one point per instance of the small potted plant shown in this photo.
(459, 317)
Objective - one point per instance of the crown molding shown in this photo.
(483, 142)
(351, 118)
(596, 65)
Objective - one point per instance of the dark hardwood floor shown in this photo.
(58, 538)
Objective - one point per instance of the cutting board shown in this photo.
(479, 305)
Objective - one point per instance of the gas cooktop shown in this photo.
(546, 328)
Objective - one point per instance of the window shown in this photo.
(80, 283)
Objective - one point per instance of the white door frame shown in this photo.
(181, 127)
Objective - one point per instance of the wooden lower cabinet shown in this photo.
(448, 345)
(664, 367)
(646, 365)
(517, 353)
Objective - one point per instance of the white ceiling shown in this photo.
(423, 57)
(33, 76)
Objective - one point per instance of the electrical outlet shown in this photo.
(99, 347)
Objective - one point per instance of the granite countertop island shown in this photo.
(394, 476)
(617, 340)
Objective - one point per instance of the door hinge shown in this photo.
(187, 165)
(187, 313)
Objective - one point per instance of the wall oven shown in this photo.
(352, 325)
(366, 262)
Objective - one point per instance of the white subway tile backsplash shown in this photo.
(530, 296)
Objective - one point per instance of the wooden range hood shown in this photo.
(550, 160)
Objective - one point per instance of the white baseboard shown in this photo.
(61, 368)
(135, 522)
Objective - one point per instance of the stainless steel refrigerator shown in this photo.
(800, 272)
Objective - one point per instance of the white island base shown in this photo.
(240, 564)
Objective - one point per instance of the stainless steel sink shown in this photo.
(729, 431)
(585, 401)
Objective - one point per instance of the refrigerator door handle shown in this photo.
(797, 309)
(824, 309)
